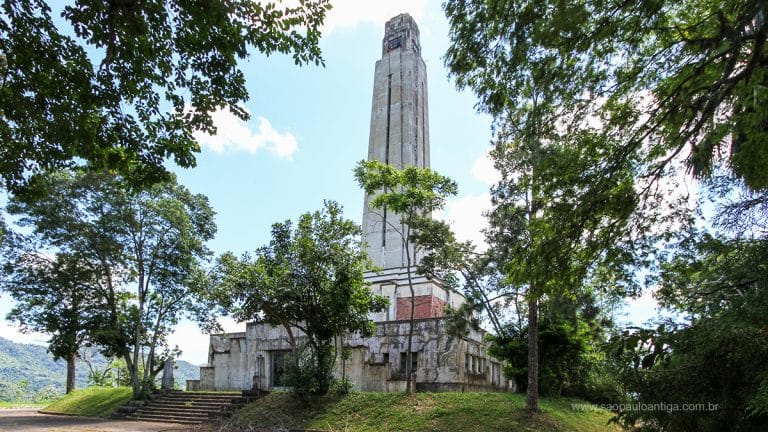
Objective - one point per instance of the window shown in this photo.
(415, 46)
(385, 360)
(394, 43)
(404, 362)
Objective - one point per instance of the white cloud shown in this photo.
(350, 13)
(193, 343)
(484, 170)
(12, 333)
(465, 215)
(235, 135)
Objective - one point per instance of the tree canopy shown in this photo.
(626, 93)
(139, 253)
(712, 353)
(54, 295)
(123, 84)
(683, 78)
(309, 277)
(412, 193)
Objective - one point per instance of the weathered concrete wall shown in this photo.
(193, 385)
(206, 378)
(228, 356)
(443, 362)
(393, 284)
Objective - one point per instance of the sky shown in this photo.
(309, 126)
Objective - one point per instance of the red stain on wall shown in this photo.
(427, 306)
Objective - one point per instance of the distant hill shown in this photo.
(26, 370)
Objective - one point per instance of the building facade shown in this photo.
(399, 136)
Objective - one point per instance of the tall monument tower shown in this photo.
(400, 137)
(438, 361)
(399, 132)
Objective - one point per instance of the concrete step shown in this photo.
(193, 405)
(180, 411)
(165, 419)
(188, 407)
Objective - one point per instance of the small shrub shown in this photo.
(309, 371)
(341, 387)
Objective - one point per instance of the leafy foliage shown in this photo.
(122, 85)
(669, 77)
(56, 296)
(714, 354)
(626, 91)
(557, 222)
(152, 240)
(412, 193)
(310, 278)
(571, 338)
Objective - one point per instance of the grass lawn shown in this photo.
(4, 404)
(420, 412)
(91, 402)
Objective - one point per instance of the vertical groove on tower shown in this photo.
(399, 133)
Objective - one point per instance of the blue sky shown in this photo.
(309, 127)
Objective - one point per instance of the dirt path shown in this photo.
(28, 420)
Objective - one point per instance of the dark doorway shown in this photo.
(279, 360)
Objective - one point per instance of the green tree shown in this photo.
(593, 101)
(572, 332)
(712, 351)
(310, 278)
(413, 193)
(122, 85)
(556, 220)
(681, 79)
(144, 247)
(54, 295)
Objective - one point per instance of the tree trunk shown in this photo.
(71, 360)
(133, 372)
(409, 355)
(532, 400)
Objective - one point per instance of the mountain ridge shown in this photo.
(27, 370)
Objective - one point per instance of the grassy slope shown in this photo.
(421, 412)
(91, 402)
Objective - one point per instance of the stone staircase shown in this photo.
(185, 407)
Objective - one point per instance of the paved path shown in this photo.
(28, 420)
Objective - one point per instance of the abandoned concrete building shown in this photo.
(399, 135)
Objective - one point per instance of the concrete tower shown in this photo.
(400, 137)
(399, 132)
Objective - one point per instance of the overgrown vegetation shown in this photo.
(122, 86)
(624, 99)
(308, 278)
(418, 412)
(131, 262)
(91, 402)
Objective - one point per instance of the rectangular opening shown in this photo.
(404, 362)
(279, 360)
